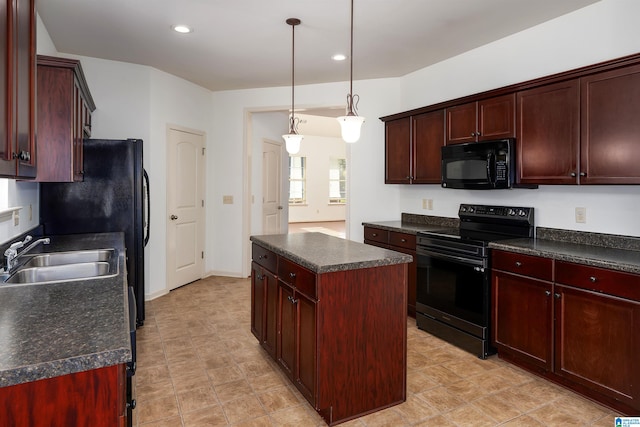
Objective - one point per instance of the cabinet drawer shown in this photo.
(617, 283)
(402, 240)
(298, 277)
(376, 235)
(526, 265)
(264, 257)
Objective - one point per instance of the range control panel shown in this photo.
(506, 213)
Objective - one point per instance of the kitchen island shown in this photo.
(332, 313)
(64, 346)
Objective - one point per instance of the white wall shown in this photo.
(366, 160)
(604, 30)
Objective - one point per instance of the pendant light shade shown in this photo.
(351, 123)
(292, 140)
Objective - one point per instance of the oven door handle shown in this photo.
(461, 260)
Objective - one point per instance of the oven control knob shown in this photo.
(463, 209)
(511, 212)
(471, 209)
(522, 212)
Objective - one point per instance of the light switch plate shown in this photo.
(581, 215)
(227, 200)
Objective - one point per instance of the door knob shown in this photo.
(280, 208)
(173, 217)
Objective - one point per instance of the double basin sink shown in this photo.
(54, 267)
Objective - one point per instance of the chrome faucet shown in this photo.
(12, 254)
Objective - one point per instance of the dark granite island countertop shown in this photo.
(322, 253)
(54, 329)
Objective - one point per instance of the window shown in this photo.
(337, 181)
(297, 180)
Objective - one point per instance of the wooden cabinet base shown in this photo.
(92, 398)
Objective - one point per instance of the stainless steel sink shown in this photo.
(69, 266)
(72, 257)
(60, 273)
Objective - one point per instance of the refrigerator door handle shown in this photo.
(148, 210)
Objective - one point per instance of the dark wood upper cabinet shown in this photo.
(428, 139)
(64, 119)
(548, 133)
(492, 118)
(412, 149)
(17, 91)
(398, 151)
(610, 140)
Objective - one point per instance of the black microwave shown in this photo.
(483, 165)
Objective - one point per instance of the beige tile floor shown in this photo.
(199, 365)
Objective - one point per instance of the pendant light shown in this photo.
(292, 139)
(351, 123)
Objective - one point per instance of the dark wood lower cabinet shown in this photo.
(340, 336)
(579, 327)
(401, 242)
(94, 398)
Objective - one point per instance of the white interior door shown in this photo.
(185, 207)
(271, 196)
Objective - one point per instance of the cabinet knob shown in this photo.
(374, 234)
(259, 277)
(573, 174)
(292, 275)
(473, 134)
(593, 279)
(547, 293)
(407, 177)
(478, 133)
(518, 264)
(132, 404)
(583, 174)
(173, 217)
(403, 240)
(557, 295)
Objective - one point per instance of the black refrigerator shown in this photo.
(114, 196)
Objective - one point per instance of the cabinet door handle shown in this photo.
(573, 174)
(547, 293)
(473, 134)
(557, 295)
(478, 133)
(518, 264)
(374, 234)
(173, 217)
(292, 300)
(259, 277)
(403, 240)
(593, 279)
(407, 177)
(583, 174)
(292, 275)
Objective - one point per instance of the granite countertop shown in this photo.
(412, 224)
(54, 329)
(596, 256)
(322, 253)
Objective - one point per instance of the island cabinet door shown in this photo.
(271, 313)
(286, 345)
(258, 294)
(306, 368)
(597, 342)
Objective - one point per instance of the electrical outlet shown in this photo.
(16, 218)
(424, 203)
(227, 200)
(581, 215)
(430, 204)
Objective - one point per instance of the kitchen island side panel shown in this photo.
(362, 341)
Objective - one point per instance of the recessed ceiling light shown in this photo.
(339, 57)
(183, 29)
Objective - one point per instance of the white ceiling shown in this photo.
(240, 44)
